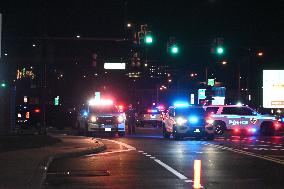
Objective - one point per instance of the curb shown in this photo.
(41, 172)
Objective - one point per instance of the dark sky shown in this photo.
(256, 24)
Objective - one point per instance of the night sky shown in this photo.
(254, 24)
(258, 25)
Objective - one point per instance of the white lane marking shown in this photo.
(152, 157)
(179, 175)
(277, 146)
(245, 148)
(188, 181)
(262, 141)
(148, 155)
(144, 153)
(130, 148)
(268, 142)
(257, 156)
(121, 143)
(105, 153)
(140, 151)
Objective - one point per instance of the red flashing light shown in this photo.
(237, 130)
(37, 110)
(277, 125)
(161, 108)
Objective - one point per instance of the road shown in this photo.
(146, 160)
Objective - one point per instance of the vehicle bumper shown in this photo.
(94, 127)
(194, 131)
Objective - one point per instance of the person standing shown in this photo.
(130, 118)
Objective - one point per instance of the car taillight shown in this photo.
(277, 125)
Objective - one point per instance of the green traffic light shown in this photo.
(220, 50)
(148, 39)
(3, 85)
(174, 49)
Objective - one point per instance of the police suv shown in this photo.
(101, 118)
(240, 119)
(187, 121)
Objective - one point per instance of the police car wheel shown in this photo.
(219, 128)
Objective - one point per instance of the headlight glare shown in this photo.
(181, 121)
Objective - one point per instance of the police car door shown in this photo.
(230, 117)
(248, 116)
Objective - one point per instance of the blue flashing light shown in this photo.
(85, 113)
(282, 119)
(253, 130)
(193, 119)
(181, 104)
(152, 111)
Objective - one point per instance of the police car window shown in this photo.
(110, 109)
(190, 111)
(212, 110)
(245, 111)
(230, 110)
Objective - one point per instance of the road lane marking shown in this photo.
(179, 175)
(121, 143)
(277, 146)
(131, 148)
(140, 151)
(152, 157)
(106, 153)
(148, 155)
(268, 158)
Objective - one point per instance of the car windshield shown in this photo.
(190, 111)
(100, 110)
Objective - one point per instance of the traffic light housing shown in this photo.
(172, 46)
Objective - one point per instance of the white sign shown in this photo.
(218, 100)
(273, 88)
(114, 66)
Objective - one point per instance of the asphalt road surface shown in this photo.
(146, 160)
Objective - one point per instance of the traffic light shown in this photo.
(148, 39)
(3, 84)
(172, 46)
(174, 49)
(56, 101)
(220, 50)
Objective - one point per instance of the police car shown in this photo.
(187, 121)
(240, 119)
(101, 117)
(150, 116)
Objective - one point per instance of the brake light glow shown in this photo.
(209, 121)
(37, 110)
(236, 130)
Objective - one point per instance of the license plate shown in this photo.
(107, 129)
(196, 131)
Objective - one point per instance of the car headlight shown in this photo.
(93, 119)
(209, 121)
(181, 121)
(120, 119)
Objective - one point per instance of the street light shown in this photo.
(129, 25)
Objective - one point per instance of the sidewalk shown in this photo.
(27, 168)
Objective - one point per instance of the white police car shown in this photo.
(240, 119)
(103, 119)
(187, 121)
